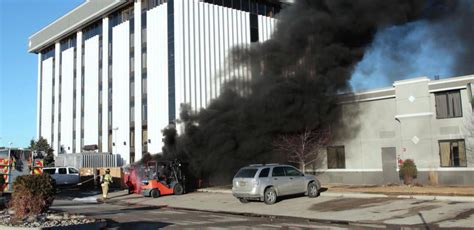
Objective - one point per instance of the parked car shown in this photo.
(268, 182)
(63, 175)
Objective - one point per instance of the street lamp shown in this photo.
(115, 139)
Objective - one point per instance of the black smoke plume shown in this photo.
(295, 78)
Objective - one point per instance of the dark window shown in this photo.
(452, 153)
(171, 64)
(290, 171)
(264, 172)
(245, 5)
(253, 7)
(261, 9)
(448, 104)
(62, 171)
(253, 28)
(336, 157)
(49, 171)
(73, 171)
(246, 173)
(236, 4)
(278, 171)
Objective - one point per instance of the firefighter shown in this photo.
(106, 180)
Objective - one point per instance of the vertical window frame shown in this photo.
(451, 113)
(451, 154)
(338, 156)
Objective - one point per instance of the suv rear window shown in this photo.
(49, 171)
(246, 173)
(264, 172)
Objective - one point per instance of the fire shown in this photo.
(133, 179)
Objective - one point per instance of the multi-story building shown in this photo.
(429, 121)
(113, 74)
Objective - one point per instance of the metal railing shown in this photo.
(89, 160)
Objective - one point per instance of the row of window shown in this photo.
(452, 153)
(253, 6)
(276, 172)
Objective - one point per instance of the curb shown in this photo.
(96, 225)
(227, 191)
(369, 195)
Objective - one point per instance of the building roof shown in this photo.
(85, 13)
(445, 84)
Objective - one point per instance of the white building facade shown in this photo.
(113, 74)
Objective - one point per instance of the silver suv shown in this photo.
(268, 182)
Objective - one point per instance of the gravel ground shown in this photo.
(48, 219)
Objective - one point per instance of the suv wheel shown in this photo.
(270, 196)
(313, 190)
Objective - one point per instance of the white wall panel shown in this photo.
(186, 53)
(266, 26)
(226, 39)
(157, 66)
(207, 58)
(234, 42)
(91, 91)
(38, 97)
(204, 36)
(179, 55)
(121, 90)
(78, 105)
(138, 82)
(202, 87)
(55, 141)
(47, 99)
(105, 85)
(212, 50)
(192, 48)
(221, 67)
(240, 40)
(247, 40)
(67, 94)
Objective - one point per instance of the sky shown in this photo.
(18, 69)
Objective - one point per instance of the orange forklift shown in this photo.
(163, 178)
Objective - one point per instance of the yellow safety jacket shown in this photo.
(107, 179)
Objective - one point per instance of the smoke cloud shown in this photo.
(439, 45)
(295, 78)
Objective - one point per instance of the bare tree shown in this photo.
(303, 148)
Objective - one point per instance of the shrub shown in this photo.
(32, 195)
(408, 169)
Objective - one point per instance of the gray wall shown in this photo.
(405, 119)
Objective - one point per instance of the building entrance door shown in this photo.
(389, 165)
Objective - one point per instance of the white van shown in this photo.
(63, 175)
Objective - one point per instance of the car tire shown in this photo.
(178, 189)
(313, 190)
(155, 193)
(270, 196)
(243, 200)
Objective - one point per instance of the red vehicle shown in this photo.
(163, 178)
